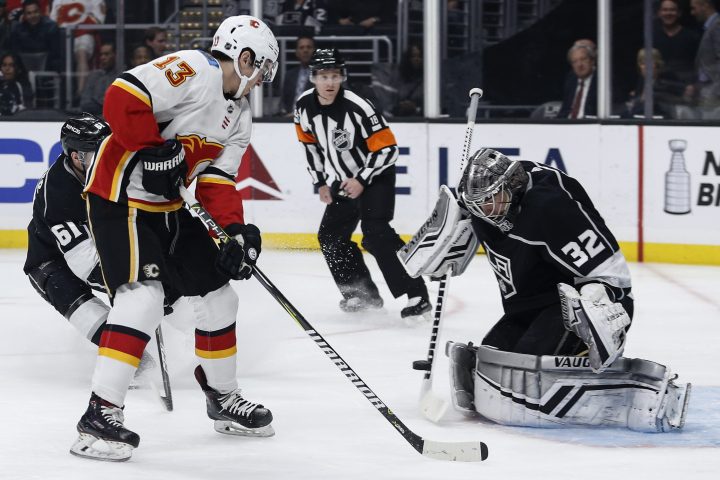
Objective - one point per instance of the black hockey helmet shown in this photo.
(83, 133)
(326, 59)
(491, 187)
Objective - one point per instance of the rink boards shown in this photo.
(662, 203)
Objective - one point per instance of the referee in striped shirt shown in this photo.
(343, 130)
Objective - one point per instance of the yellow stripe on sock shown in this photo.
(214, 354)
(118, 355)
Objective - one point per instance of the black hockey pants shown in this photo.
(374, 210)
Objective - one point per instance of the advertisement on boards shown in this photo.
(682, 185)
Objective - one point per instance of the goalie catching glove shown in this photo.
(600, 323)
(237, 256)
(164, 169)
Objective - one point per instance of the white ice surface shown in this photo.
(325, 428)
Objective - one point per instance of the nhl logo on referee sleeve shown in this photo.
(341, 139)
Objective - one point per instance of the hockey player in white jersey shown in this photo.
(554, 358)
(181, 118)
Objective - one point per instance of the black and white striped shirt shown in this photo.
(350, 134)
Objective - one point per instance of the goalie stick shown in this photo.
(452, 451)
(431, 405)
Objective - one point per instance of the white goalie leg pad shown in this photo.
(598, 322)
(88, 317)
(549, 391)
(462, 370)
(445, 242)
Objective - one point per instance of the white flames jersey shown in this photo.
(178, 96)
(78, 12)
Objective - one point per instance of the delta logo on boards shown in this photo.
(254, 181)
(678, 197)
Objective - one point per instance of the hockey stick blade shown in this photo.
(167, 397)
(455, 451)
(450, 451)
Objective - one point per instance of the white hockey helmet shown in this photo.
(244, 31)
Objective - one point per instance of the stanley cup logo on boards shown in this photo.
(677, 181)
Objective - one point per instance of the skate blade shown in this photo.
(415, 320)
(88, 446)
(232, 428)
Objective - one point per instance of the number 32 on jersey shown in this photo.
(177, 73)
(588, 247)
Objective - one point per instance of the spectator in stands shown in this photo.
(580, 91)
(80, 12)
(98, 81)
(667, 90)
(15, 91)
(307, 13)
(706, 90)
(5, 27)
(156, 39)
(34, 36)
(297, 79)
(366, 13)
(398, 89)
(677, 45)
(139, 55)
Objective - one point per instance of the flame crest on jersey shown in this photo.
(198, 150)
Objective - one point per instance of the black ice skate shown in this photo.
(233, 414)
(417, 307)
(102, 433)
(361, 303)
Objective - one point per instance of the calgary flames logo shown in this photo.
(198, 150)
(254, 24)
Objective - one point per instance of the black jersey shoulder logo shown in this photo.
(341, 139)
(503, 272)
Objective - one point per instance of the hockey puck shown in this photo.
(421, 365)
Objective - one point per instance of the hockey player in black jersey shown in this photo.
(554, 357)
(62, 262)
(539, 229)
(340, 128)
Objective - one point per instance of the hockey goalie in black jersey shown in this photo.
(62, 262)
(554, 357)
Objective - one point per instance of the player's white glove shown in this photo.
(600, 323)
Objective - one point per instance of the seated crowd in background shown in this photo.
(685, 58)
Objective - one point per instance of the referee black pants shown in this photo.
(374, 210)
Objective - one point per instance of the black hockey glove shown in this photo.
(237, 256)
(164, 169)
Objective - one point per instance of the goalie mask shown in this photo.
(243, 31)
(491, 187)
(83, 134)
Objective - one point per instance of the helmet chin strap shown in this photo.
(243, 80)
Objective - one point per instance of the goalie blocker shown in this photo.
(560, 391)
(444, 244)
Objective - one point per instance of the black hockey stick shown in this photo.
(431, 405)
(454, 451)
(167, 398)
